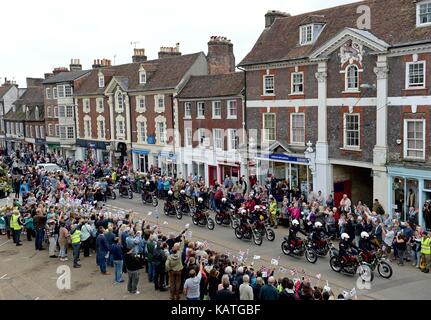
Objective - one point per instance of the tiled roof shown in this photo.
(66, 77)
(161, 74)
(213, 86)
(32, 96)
(393, 21)
(4, 89)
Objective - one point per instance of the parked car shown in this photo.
(50, 167)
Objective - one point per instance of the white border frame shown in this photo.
(405, 145)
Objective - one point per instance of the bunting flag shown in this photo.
(187, 226)
(274, 262)
(256, 258)
(318, 276)
(150, 213)
(165, 222)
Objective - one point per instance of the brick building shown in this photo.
(60, 108)
(341, 106)
(211, 125)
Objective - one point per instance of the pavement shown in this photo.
(27, 274)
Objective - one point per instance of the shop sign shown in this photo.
(283, 158)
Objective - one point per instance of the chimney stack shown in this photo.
(101, 63)
(48, 75)
(75, 65)
(221, 59)
(166, 52)
(34, 82)
(271, 15)
(59, 70)
(139, 55)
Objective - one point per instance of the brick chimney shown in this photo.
(101, 63)
(59, 70)
(48, 75)
(139, 55)
(75, 65)
(221, 59)
(34, 82)
(166, 52)
(271, 15)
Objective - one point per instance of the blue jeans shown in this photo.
(401, 256)
(118, 265)
(16, 236)
(76, 249)
(39, 238)
(101, 261)
(110, 260)
(416, 257)
(151, 271)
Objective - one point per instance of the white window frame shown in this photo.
(69, 111)
(303, 34)
(69, 135)
(87, 127)
(119, 106)
(233, 139)
(410, 86)
(56, 112)
(188, 137)
(31, 132)
(264, 129)
(218, 139)
(120, 130)
(161, 136)
(229, 114)
(142, 76)
(266, 90)
(142, 132)
(406, 149)
(21, 128)
(346, 79)
(346, 146)
(61, 91)
(214, 104)
(100, 105)
(50, 130)
(42, 132)
(36, 132)
(86, 105)
(63, 133)
(157, 99)
(292, 141)
(200, 115)
(292, 86)
(57, 130)
(101, 128)
(48, 94)
(62, 111)
(54, 93)
(68, 87)
(419, 24)
(139, 107)
(101, 81)
(187, 110)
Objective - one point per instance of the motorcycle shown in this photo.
(352, 264)
(225, 217)
(301, 247)
(149, 198)
(376, 261)
(321, 247)
(184, 206)
(110, 193)
(170, 209)
(265, 230)
(249, 232)
(125, 192)
(203, 219)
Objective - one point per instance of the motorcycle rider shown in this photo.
(345, 248)
(124, 185)
(318, 233)
(244, 220)
(293, 231)
(200, 208)
(169, 204)
(146, 190)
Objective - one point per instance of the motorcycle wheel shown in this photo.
(130, 194)
(270, 234)
(257, 238)
(179, 214)
(155, 202)
(218, 219)
(166, 212)
(113, 195)
(238, 233)
(195, 220)
(335, 264)
(285, 248)
(365, 272)
(210, 224)
(233, 223)
(310, 255)
(385, 270)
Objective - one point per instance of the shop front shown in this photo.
(409, 188)
(167, 162)
(229, 169)
(293, 168)
(140, 160)
(40, 145)
(53, 147)
(94, 150)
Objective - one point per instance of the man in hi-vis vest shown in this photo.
(16, 227)
(426, 251)
(75, 237)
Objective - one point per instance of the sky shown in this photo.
(40, 35)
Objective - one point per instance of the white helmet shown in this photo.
(107, 177)
(256, 207)
(148, 183)
(365, 235)
(345, 236)
(243, 211)
(124, 177)
(318, 225)
(271, 196)
(295, 222)
(223, 200)
(183, 191)
(200, 200)
(170, 192)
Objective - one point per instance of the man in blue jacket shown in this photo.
(102, 250)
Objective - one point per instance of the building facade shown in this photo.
(351, 98)
(60, 108)
(9, 93)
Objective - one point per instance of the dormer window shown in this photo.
(423, 14)
(142, 76)
(309, 33)
(101, 80)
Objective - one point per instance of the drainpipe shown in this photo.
(244, 120)
(174, 172)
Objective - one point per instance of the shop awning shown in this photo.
(143, 152)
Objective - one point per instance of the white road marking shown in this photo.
(5, 243)
(3, 276)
